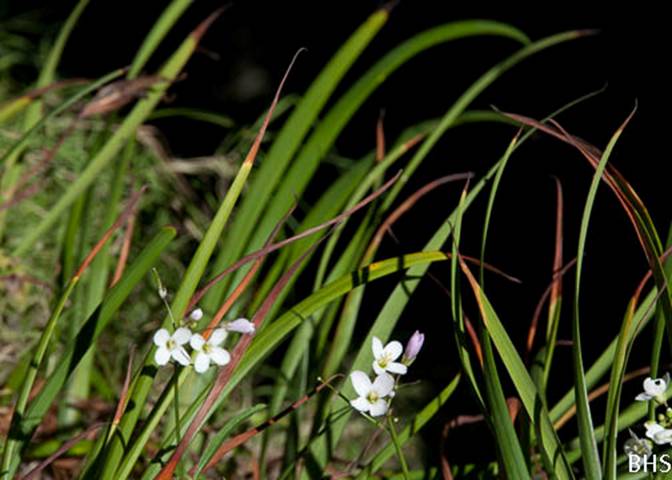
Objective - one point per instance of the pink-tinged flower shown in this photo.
(413, 347)
(170, 346)
(384, 357)
(241, 325)
(371, 395)
(209, 350)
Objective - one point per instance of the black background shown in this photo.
(255, 40)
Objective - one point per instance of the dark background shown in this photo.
(255, 40)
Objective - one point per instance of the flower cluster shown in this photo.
(374, 397)
(658, 432)
(171, 346)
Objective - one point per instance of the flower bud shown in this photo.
(413, 347)
(242, 325)
(196, 315)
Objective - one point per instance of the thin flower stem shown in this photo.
(176, 385)
(397, 446)
(162, 294)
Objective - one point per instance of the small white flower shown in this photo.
(170, 346)
(371, 395)
(241, 325)
(385, 357)
(210, 349)
(196, 315)
(654, 389)
(657, 433)
(641, 448)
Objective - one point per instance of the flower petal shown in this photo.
(182, 335)
(161, 356)
(218, 336)
(197, 341)
(241, 325)
(643, 397)
(181, 356)
(161, 337)
(383, 384)
(654, 386)
(202, 362)
(393, 350)
(398, 368)
(361, 404)
(219, 356)
(377, 347)
(662, 437)
(360, 382)
(379, 408)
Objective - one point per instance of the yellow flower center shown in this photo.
(372, 397)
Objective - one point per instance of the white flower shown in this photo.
(657, 433)
(654, 389)
(371, 395)
(385, 357)
(241, 325)
(638, 447)
(196, 315)
(170, 346)
(210, 349)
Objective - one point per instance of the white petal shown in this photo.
(654, 386)
(396, 367)
(393, 350)
(361, 383)
(377, 347)
(197, 341)
(241, 325)
(652, 429)
(220, 356)
(196, 314)
(161, 337)
(181, 356)
(162, 355)
(218, 336)
(377, 368)
(202, 362)
(664, 436)
(379, 408)
(360, 404)
(182, 335)
(643, 397)
(383, 384)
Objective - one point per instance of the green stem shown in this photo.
(176, 386)
(397, 446)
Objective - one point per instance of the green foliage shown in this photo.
(307, 300)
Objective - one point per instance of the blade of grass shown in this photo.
(285, 146)
(303, 167)
(524, 384)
